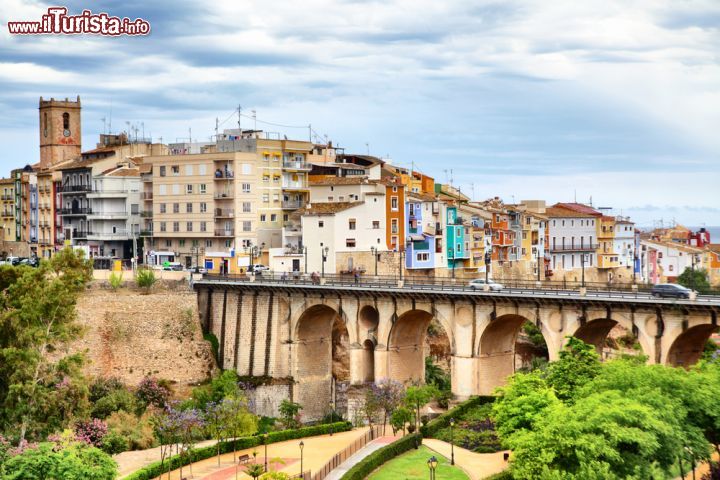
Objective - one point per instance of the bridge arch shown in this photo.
(499, 348)
(688, 347)
(321, 357)
(406, 345)
(597, 331)
(368, 321)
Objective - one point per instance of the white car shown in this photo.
(258, 267)
(479, 284)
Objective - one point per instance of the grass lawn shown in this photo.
(413, 464)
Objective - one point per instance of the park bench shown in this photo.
(244, 458)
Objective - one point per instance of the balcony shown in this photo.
(107, 215)
(292, 204)
(220, 175)
(146, 177)
(227, 195)
(290, 185)
(146, 233)
(225, 232)
(81, 233)
(74, 188)
(147, 195)
(146, 213)
(118, 235)
(574, 248)
(8, 197)
(291, 230)
(296, 165)
(224, 213)
(75, 211)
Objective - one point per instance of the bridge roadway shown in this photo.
(461, 288)
(292, 330)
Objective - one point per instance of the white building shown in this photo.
(624, 242)
(572, 235)
(343, 229)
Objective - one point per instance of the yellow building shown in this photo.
(606, 256)
(7, 208)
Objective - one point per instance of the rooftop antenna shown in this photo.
(142, 124)
(104, 125)
(575, 196)
(190, 134)
(254, 115)
(217, 126)
(239, 115)
(110, 120)
(591, 200)
(367, 147)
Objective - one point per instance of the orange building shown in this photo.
(395, 213)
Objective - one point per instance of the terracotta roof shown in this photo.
(714, 247)
(328, 208)
(554, 212)
(579, 207)
(424, 197)
(125, 172)
(677, 246)
(99, 150)
(607, 218)
(77, 163)
(343, 181)
(146, 168)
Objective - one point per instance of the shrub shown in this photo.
(115, 280)
(115, 401)
(102, 387)
(91, 431)
(145, 279)
(504, 475)
(214, 343)
(73, 462)
(154, 469)
(138, 432)
(289, 411)
(152, 392)
(373, 461)
(114, 443)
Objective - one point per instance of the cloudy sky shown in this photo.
(614, 100)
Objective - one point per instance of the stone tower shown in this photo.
(60, 133)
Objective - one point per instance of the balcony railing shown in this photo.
(147, 195)
(74, 188)
(146, 213)
(96, 213)
(224, 213)
(8, 197)
(228, 195)
(574, 248)
(81, 233)
(76, 211)
(292, 204)
(146, 233)
(225, 232)
(296, 165)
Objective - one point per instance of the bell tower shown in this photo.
(60, 133)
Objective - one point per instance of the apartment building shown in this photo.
(7, 208)
(664, 261)
(424, 214)
(607, 257)
(457, 240)
(624, 242)
(573, 239)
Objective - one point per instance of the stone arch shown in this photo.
(498, 348)
(687, 348)
(319, 332)
(368, 361)
(406, 346)
(610, 336)
(368, 321)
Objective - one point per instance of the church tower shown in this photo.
(60, 134)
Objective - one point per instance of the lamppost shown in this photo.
(332, 417)
(375, 255)
(488, 261)
(451, 251)
(251, 250)
(401, 250)
(304, 250)
(265, 436)
(432, 465)
(694, 259)
(302, 445)
(452, 444)
(324, 252)
(582, 262)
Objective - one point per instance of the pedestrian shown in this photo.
(357, 277)
(283, 277)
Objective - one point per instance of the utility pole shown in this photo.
(239, 115)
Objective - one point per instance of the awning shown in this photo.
(417, 238)
(277, 154)
(266, 153)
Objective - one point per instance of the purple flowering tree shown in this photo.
(91, 431)
(389, 395)
(151, 392)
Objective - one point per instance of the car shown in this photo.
(258, 267)
(479, 284)
(12, 260)
(670, 290)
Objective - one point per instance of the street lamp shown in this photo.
(265, 436)
(332, 417)
(452, 444)
(451, 251)
(582, 262)
(324, 252)
(432, 465)
(488, 260)
(401, 250)
(304, 250)
(375, 255)
(302, 445)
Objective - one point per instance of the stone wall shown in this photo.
(265, 400)
(130, 335)
(16, 249)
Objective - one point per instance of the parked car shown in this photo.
(670, 290)
(257, 268)
(479, 284)
(173, 266)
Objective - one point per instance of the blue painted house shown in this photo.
(420, 252)
(456, 247)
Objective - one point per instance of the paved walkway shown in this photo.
(282, 456)
(476, 465)
(374, 445)
(128, 462)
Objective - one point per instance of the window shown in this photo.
(162, 170)
(394, 203)
(423, 257)
(168, 243)
(202, 169)
(246, 206)
(266, 178)
(523, 252)
(196, 243)
(175, 169)
(203, 207)
(321, 224)
(181, 243)
(247, 226)
(188, 188)
(188, 207)
(163, 207)
(176, 208)
(208, 243)
(176, 226)
(351, 224)
(524, 236)
(228, 243)
(394, 225)
(163, 226)
(276, 197)
(246, 188)
(245, 169)
(203, 226)
(331, 198)
(350, 242)
(266, 198)
(273, 217)
(375, 224)
(341, 198)
(203, 188)
(162, 190)
(263, 217)
(393, 240)
(189, 226)
(188, 170)
(176, 189)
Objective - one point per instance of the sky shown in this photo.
(617, 102)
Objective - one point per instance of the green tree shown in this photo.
(145, 279)
(238, 419)
(417, 396)
(255, 470)
(695, 279)
(579, 363)
(223, 385)
(400, 418)
(41, 389)
(75, 462)
(288, 413)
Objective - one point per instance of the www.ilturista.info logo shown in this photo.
(57, 21)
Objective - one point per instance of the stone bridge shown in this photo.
(287, 331)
